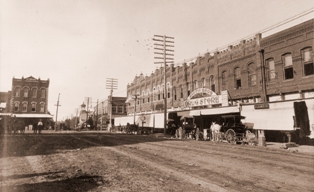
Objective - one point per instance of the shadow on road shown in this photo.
(79, 183)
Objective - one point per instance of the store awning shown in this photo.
(32, 115)
(183, 113)
(5, 114)
(220, 110)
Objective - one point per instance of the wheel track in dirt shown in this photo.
(227, 155)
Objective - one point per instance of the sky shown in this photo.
(78, 44)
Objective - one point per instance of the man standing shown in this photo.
(39, 126)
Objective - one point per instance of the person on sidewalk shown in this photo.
(40, 126)
(197, 132)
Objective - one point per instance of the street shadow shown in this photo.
(79, 183)
(45, 144)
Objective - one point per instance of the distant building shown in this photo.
(29, 101)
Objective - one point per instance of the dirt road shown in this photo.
(117, 162)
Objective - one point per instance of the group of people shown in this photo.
(214, 135)
(38, 126)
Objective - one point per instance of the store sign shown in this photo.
(261, 106)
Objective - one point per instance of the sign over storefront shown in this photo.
(204, 97)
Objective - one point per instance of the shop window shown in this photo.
(288, 66)
(307, 58)
(237, 77)
(271, 72)
(252, 74)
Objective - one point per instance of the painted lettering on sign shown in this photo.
(213, 100)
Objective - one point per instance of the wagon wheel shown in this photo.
(230, 136)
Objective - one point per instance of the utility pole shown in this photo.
(162, 43)
(56, 124)
(96, 115)
(135, 97)
(111, 84)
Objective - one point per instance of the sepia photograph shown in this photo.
(156, 95)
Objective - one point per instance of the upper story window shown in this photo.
(271, 72)
(307, 58)
(288, 66)
(34, 93)
(237, 77)
(195, 84)
(25, 90)
(174, 93)
(252, 74)
(33, 107)
(16, 106)
(224, 80)
(181, 91)
(188, 88)
(42, 107)
(17, 92)
(24, 109)
(43, 93)
(203, 82)
(212, 83)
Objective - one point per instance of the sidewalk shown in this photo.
(294, 147)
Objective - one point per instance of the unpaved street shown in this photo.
(118, 162)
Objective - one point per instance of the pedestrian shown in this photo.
(180, 131)
(197, 132)
(35, 127)
(40, 126)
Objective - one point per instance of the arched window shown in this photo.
(307, 59)
(237, 77)
(148, 95)
(174, 93)
(203, 82)
(34, 93)
(42, 107)
(24, 108)
(16, 106)
(252, 74)
(188, 88)
(181, 91)
(17, 92)
(224, 80)
(25, 90)
(288, 66)
(212, 83)
(271, 71)
(43, 93)
(33, 107)
(195, 84)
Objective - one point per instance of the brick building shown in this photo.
(29, 100)
(257, 76)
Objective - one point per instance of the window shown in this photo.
(288, 67)
(17, 92)
(181, 91)
(24, 109)
(237, 77)
(168, 90)
(212, 83)
(148, 95)
(174, 93)
(270, 64)
(16, 106)
(188, 88)
(195, 84)
(224, 80)
(33, 107)
(34, 93)
(203, 83)
(252, 74)
(143, 95)
(42, 107)
(25, 92)
(120, 108)
(43, 93)
(307, 57)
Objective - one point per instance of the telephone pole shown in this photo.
(162, 43)
(111, 84)
(56, 124)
